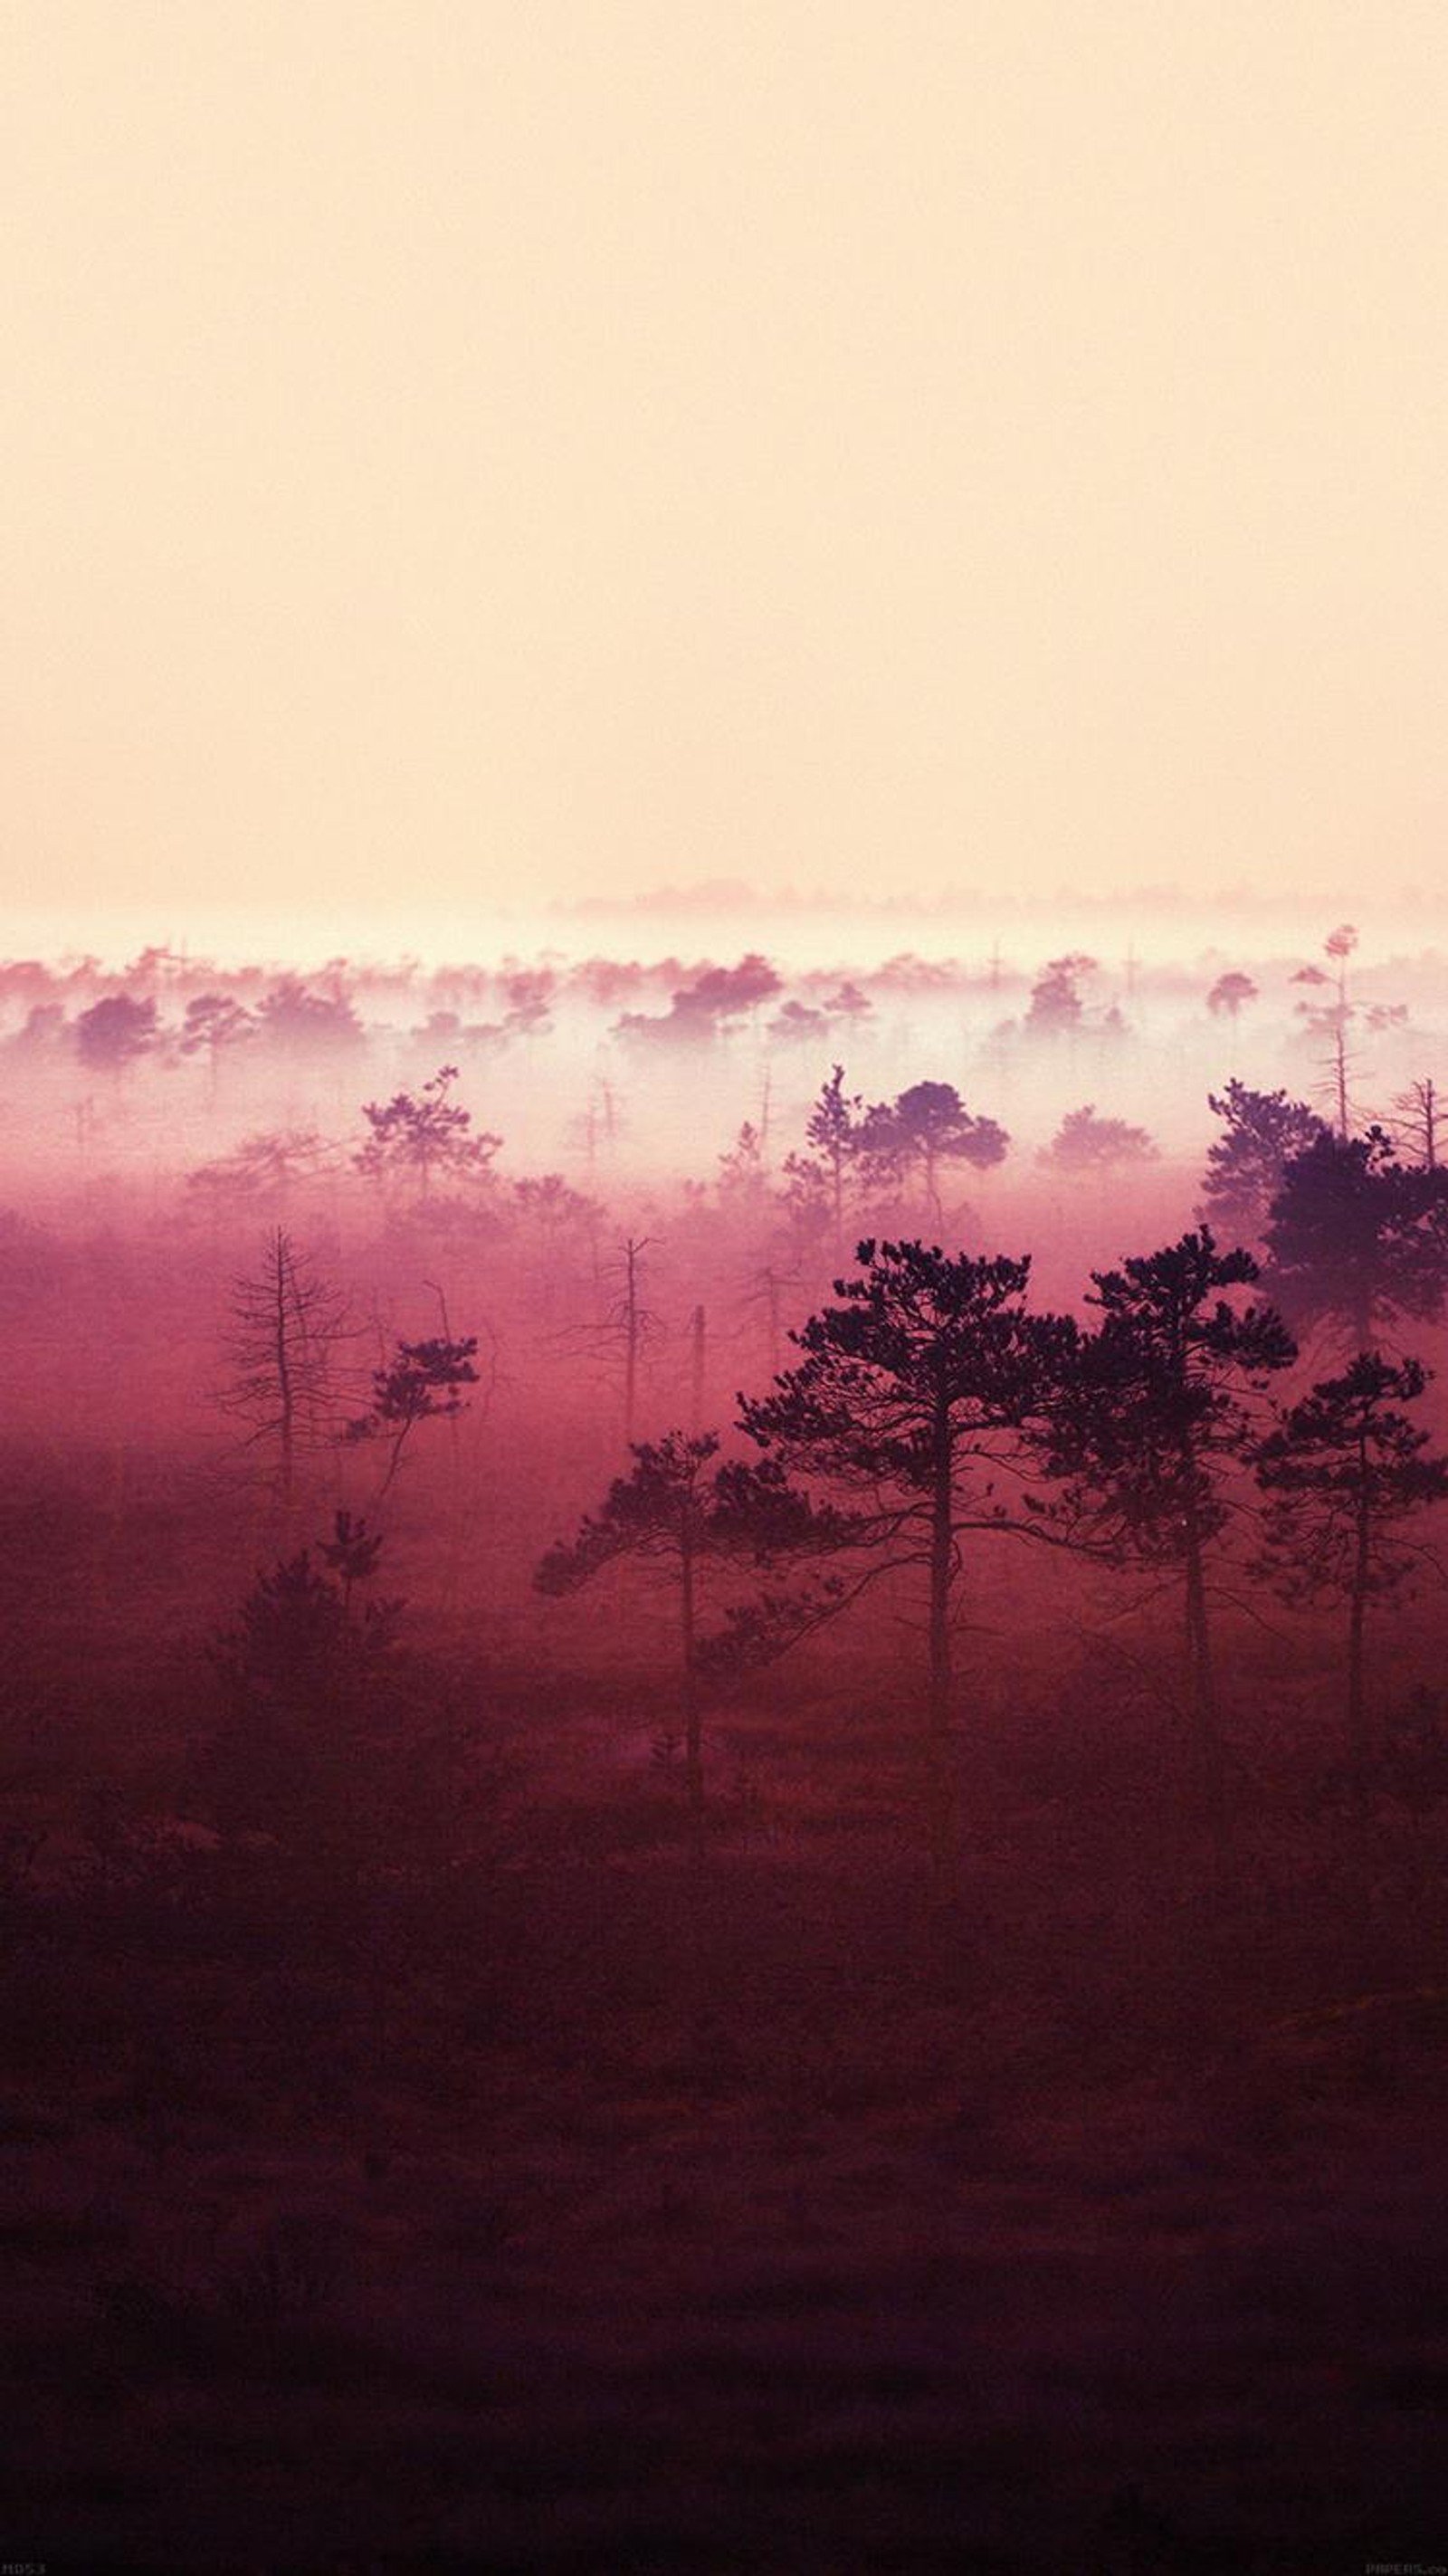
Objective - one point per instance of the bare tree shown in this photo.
(1418, 1127)
(764, 1297)
(1333, 1020)
(631, 1326)
(598, 1125)
(270, 1167)
(698, 1354)
(621, 1335)
(288, 1327)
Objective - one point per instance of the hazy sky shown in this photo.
(458, 453)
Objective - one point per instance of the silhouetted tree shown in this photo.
(1357, 1239)
(115, 1033)
(43, 1027)
(1085, 1143)
(214, 1023)
(1230, 996)
(561, 1220)
(798, 1024)
(833, 1132)
(628, 1327)
(528, 993)
(420, 1137)
(764, 1296)
(677, 1510)
(266, 1167)
(717, 997)
(289, 1015)
(1056, 1003)
(911, 1397)
(598, 1126)
(288, 1327)
(298, 1625)
(1152, 1409)
(742, 1177)
(850, 1004)
(421, 1382)
(339, 1754)
(1346, 1468)
(1418, 1126)
(927, 1126)
(1263, 1131)
(1331, 1020)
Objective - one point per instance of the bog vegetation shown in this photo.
(762, 1651)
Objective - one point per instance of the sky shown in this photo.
(462, 459)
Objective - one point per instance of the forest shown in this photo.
(724, 1773)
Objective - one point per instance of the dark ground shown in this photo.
(506, 2199)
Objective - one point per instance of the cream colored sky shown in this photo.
(455, 453)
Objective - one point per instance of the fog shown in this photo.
(865, 1996)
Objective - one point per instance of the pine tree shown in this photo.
(913, 1398)
(833, 1133)
(418, 1138)
(1085, 1143)
(1358, 1240)
(1345, 1469)
(1263, 1131)
(1152, 1410)
(908, 1140)
(421, 1382)
(676, 1512)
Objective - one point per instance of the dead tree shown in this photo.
(631, 1326)
(1417, 1128)
(288, 1328)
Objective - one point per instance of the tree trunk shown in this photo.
(693, 1724)
(942, 1565)
(698, 1330)
(631, 1348)
(285, 1391)
(1357, 1731)
(932, 1189)
(1203, 1683)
